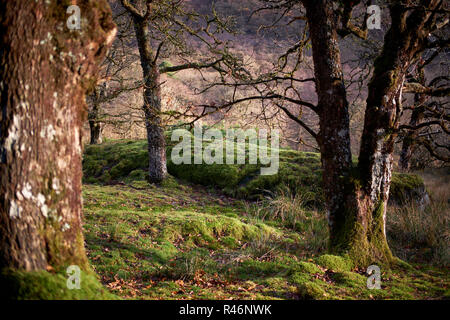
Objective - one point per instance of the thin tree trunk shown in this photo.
(416, 117)
(45, 72)
(152, 104)
(409, 140)
(94, 114)
(95, 125)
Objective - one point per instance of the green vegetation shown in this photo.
(405, 187)
(299, 172)
(37, 285)
(183, 241)
(421, 232)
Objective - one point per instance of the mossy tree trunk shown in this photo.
(94, 114)
(334, 134)
(357, 197)
(45, 71)
(157, 170)
(417, 116)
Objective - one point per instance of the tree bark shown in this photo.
(95, 125)
(334, 134)
(95, 129)
(416, 117)
(46, 69)
(152, 103)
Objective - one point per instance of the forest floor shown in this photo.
(182, 241)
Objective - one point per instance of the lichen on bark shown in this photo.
(44, 79)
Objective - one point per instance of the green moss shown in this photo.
(335, 263)
(146, 237)
(300, 172)
(230, 242)
(308, 267)
(311, 290)
(166, 64)
(300, 278)
(159, 235)
(406, 187)
(43, 285)
(350, 279)
(253, 268)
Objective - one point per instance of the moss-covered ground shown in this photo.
(299, 172)
(185, 241)
(181, 242)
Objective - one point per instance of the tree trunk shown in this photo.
(46, 69)
(409, 140)
(94, 113)
(416, 117)
(403, 42)
(95, 126)
(334, 134)
(152, 104)
(356, 198)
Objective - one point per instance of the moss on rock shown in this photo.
(407, 187)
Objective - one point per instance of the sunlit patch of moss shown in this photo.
(311, 290)
(127, 160)
(308, 267)
(350, 279)
(181, 241)
(43, 285)
(335, 263)
(406, 187)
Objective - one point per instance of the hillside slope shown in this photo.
(183, 241)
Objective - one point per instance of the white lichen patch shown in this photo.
(77, 144)
(65, 227)
(62, 164)
(55, 101)
(40, 200)
(19, 196)
(13, 134)
(14, 210)
(47, 39)
(110, 36)
(56, 185)
(48, 132)
(44, 210)
(26, 192)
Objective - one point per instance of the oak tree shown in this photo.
(46, 70)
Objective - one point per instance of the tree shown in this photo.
(356, 196)
(167, 17)
(94, 116)
(429, 115)
(114, 81)
(46, 70)
(110, 85)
